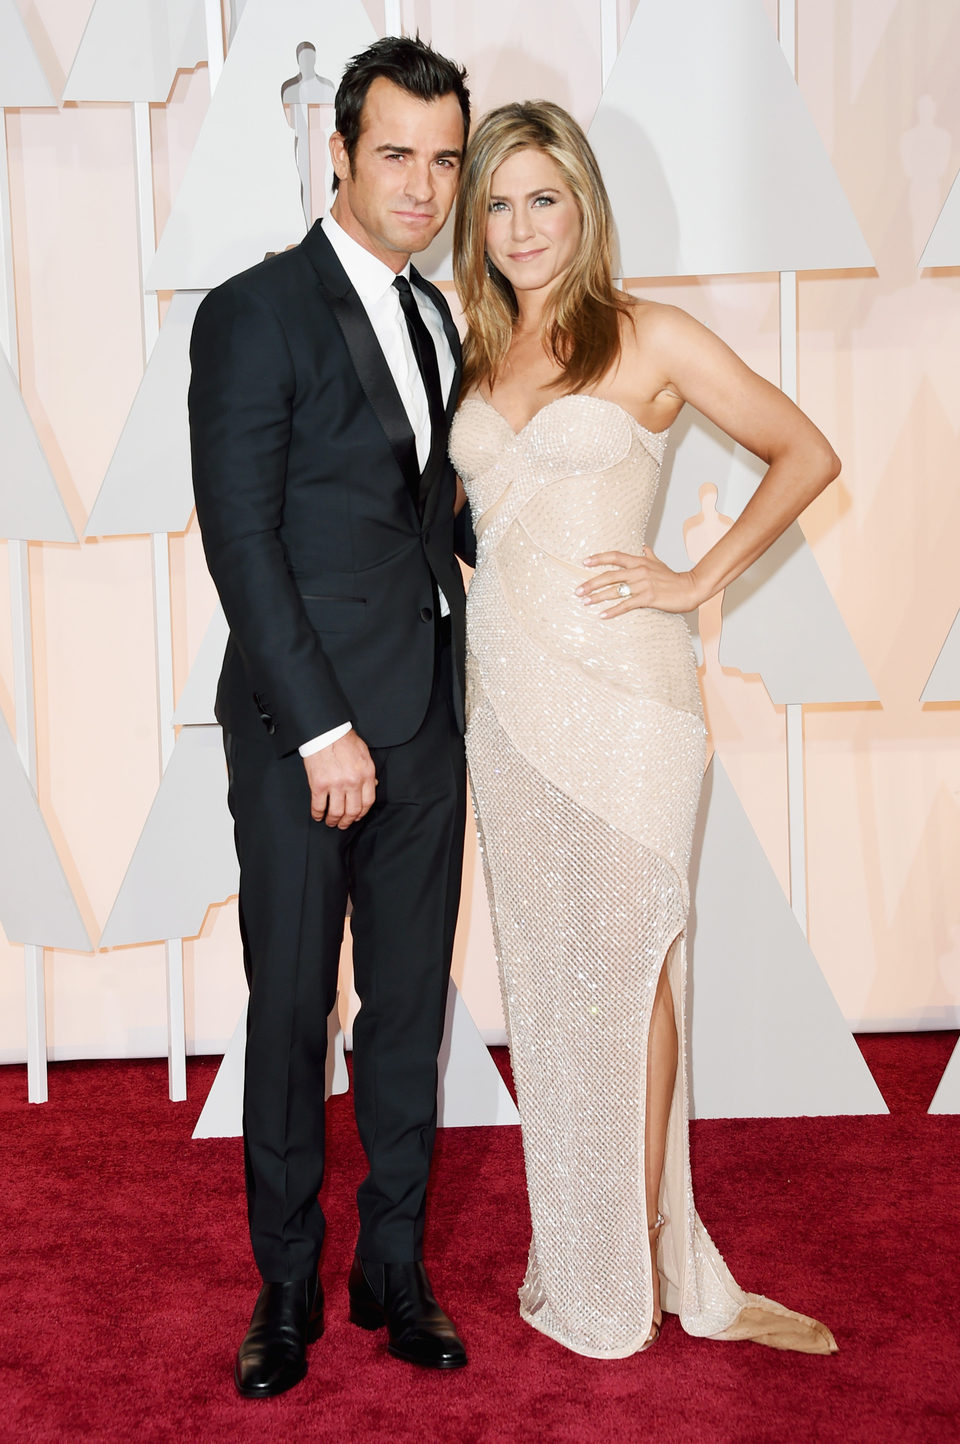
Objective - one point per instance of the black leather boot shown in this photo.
(399, 1296)
(273, 1356)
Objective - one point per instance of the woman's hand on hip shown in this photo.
(631, 583)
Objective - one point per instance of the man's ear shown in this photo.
(339, 156)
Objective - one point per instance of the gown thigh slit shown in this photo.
(655, 1066)
(586, 743)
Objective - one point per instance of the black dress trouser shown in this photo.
(401, 866)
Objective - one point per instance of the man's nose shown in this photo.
(420, 181)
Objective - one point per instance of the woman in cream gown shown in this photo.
(585, 734)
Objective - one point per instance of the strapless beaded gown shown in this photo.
(585, 743)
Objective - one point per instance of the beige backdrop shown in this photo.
(879, 359)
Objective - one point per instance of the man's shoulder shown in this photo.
(272, 277)
(274, 292)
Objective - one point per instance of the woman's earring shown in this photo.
(488, 265)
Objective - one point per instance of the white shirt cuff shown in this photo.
(317, 744)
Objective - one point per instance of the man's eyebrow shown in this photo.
(409, 150)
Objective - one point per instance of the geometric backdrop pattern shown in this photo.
(132, 49)
(779, 619)
(943, 684)
(31, 508)
(943, 247)
(185, 859)
(240, 195)
(768, 1039)
(22, 78)
(36, 902)
(709, 153)
(148, 486)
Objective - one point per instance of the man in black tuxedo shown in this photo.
(323, 385)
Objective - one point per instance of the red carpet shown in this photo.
(127, 1283)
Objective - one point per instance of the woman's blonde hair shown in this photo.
(581, 324)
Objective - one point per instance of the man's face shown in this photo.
(405, 172)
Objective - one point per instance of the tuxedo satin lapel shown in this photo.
(378, 384)
(373, 373)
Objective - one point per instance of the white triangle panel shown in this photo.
(31, 508)
(185, 858)
(199, 694)
(698, 454)
(943, 684)
(943, 247)
(240, 195)
(768, 1039)
(947, 1097)
(22, 78)
(132, 49)
(472, 1093)
(222, 1114)
(36, 902)
(148, 486)
(712, 161)
(780, 619)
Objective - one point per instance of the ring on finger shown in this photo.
(623, 589)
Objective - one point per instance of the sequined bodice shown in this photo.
(583, 472)
(581, 477)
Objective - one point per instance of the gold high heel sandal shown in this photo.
(653, 1229)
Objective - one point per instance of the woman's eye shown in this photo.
(498, 205)
(543, 201)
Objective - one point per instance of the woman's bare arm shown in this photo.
(693, 365)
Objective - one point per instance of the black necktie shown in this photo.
(426, 354)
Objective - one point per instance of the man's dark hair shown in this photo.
(407, 62)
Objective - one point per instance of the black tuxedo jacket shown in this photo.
(325, 557)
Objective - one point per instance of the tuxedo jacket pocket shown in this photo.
(335, 613)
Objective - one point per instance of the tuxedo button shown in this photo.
(426, 614)
(265, 716)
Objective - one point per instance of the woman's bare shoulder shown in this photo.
(645, 319)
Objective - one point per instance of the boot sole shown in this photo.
(426, 1363)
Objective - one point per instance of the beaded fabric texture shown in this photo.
(585, 742)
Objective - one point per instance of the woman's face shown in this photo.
(533, 221)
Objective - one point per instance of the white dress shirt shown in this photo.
(373, 282)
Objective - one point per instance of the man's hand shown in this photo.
(343, 781)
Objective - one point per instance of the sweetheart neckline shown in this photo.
(569, 396)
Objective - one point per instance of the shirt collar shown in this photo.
(369, 276)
